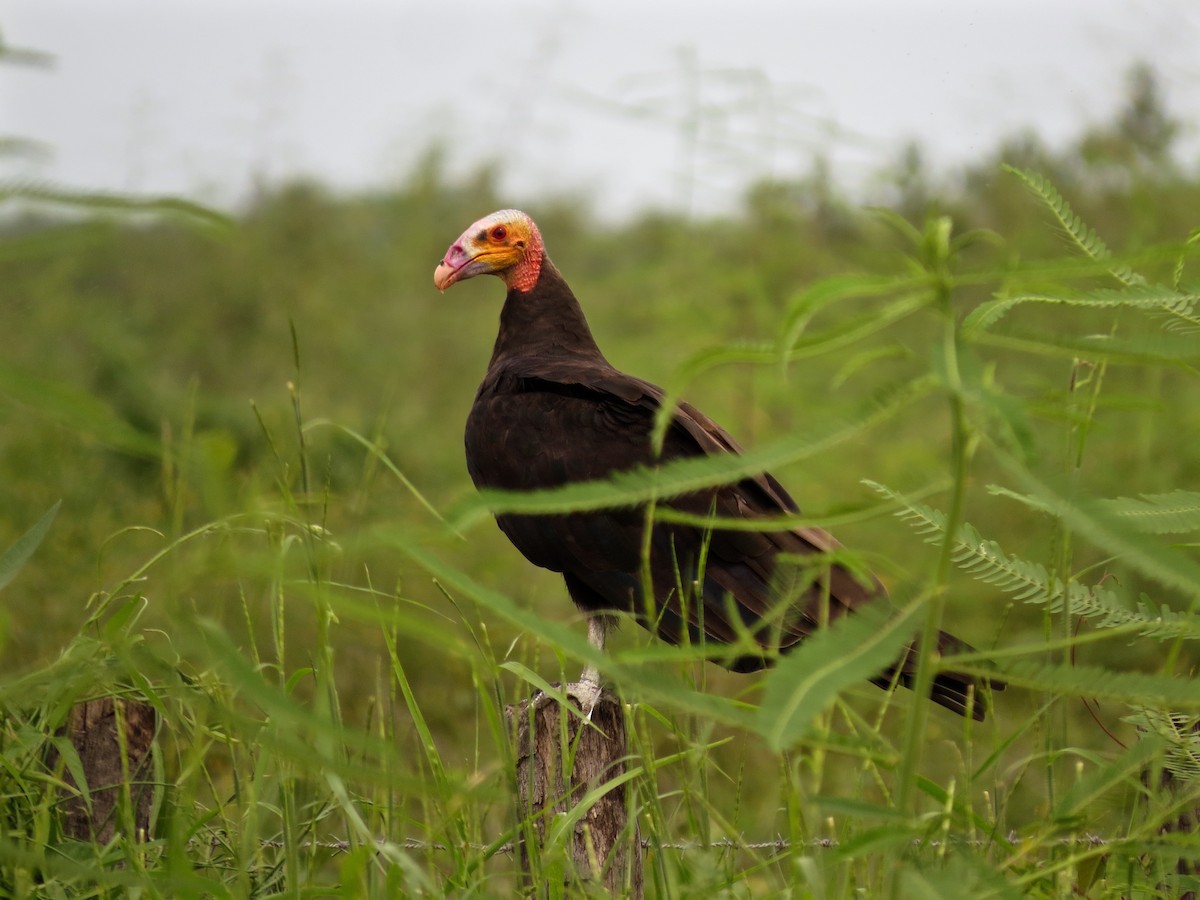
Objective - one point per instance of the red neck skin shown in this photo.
(524, 275)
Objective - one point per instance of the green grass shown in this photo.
(311, 595)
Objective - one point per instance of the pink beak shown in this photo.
(457, 264)
(444, 276)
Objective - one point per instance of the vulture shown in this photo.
(552, 411)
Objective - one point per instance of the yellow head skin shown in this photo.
(506, 244)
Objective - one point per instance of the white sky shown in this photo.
(195, 98)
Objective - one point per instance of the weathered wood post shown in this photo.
(601, 844)
(1185, 823)
(97, 729)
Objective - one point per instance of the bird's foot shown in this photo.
(585, 692)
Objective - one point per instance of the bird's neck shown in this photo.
(546, 321)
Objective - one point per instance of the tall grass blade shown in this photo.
(1127, 769)
(18, 554)
(575, 645)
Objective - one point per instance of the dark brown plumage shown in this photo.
(551, 410)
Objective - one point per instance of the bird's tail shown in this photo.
(956, 691)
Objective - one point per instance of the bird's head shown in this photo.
(506, 244)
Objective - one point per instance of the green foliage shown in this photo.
(1029, 581)
(308, 592)
(806, 681)
(18, 554)
(1075, 228)
(1178, 731)
(1177, 512)
(1142, 297)
(92, 202)
(1099, 684)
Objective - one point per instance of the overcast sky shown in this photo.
(630, 102)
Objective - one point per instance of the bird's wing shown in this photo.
(788, 576)
(564, 424)
(602, 423)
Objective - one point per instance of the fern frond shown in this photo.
(1183, 321)
(1154, 349)
(101, 201)
(1141, 296)
(1029, 582)
(1181, 260)
(1083, 235)
(1102, 684)
(1175, 513)
(1179, 733)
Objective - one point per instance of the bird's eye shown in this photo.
(499, 233)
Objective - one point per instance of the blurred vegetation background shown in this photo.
(136, 343)
(154, 362)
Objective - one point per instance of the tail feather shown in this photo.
(956, 691)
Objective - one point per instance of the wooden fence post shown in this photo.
(1185, 823)
(601, 844)
(95, 729)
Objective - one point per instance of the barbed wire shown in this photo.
(779, 844)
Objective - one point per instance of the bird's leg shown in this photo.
(587, 689)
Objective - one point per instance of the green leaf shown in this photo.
(1097, 683)
(962, 875)
(1090, 791)
(1177, 733)
(1174, 513)
(531, 677)
(852, 330)
(18, 554)
(98, 201)
(1029, 582)
(78, 411)
(1145, 349)
(832, 290)
(1149, 297)
(1162, 563)
(857, 809)
(805, 681)
(1086, 239)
